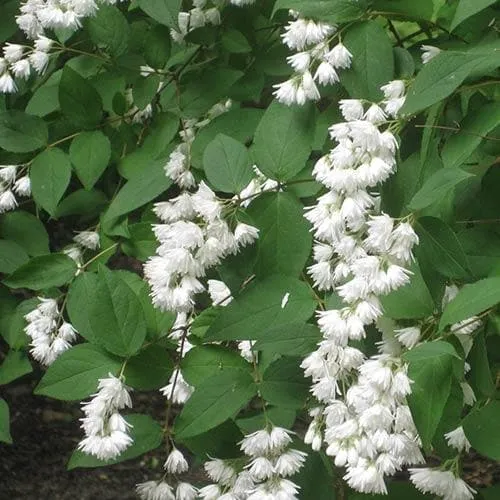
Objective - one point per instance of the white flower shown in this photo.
(300, 61)
(39, 61)
(409, 336)
(8, 173)
(155, 490)
(22, 186)
(219, 292)
(180, 392)
(7, 201)
(176, 463)
(13, 52)
(186, 491)
(219, 471)
(290, 462)
(394, 89)
(43, 44)
(365, 478)
(245, 234)
(286, 92)
(246, 352)
(429, 52)
(457, 439)
(260, 468)
(392, 106)
(352, 109)
(210, 492)
(326, 74)
(442, 483)
(309, 87)
(375, 114)
(88, 239)
(339, 56)
(7, 84)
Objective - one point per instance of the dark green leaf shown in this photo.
(163, 11)
(15, 365)
(157, 47)
(150, 369)
(440, 247)
(259, 309)
(26, 230)
(283, 140)
(372, 62)
(227, 164)
(115, 315)
(82, 202)
(50, 174)
(12, 256)
(79, 100)
(284, 384)
(214, 401)
(108, 28)
(431, 370)
(22, 133)
(284, 240)
(90, 153)
(467, 8)
(334, 11)
(294, 339)
(472, 300)
(75, 374)
(437, 186)
(203, 362)
(42, 272)
(480, 376)
(481, 429)
(234, 41)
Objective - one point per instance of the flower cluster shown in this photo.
(50, 335)
(12, 181)
(106, 431)
(84, 240)
(36, 16)
(202, 13)
(361, 253)
(313, 62)
(441, 482)
(162, 490)
(270, 462)
(259, 184)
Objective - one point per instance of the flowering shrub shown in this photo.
(311, 187)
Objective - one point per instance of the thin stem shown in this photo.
(64, 139)
(100, 254)
(478, 221)
(458, 129)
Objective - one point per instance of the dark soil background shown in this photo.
(46, 431)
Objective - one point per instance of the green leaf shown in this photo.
(79, 100)
(480, 376)
(372, 62)
(431, 370)
(284, 384)
(15, 365)
(82, 202)
(145, 89)
(115, 315)
(293, 339)
(472, 300)
(481, 429)
(283, 140)
(74, 375)
(227, 164)
(142, 243)
(163, 11)
(214, 401)
(26, 230)
(235, 42)
(50, 174)
(147, 435)
(22, 133)
(281, 417)
(412, 301)
(437, 186)
(460, 146)
(45, 99)
(157, 46)
(108, 28)
(79, 297)
(467, 8)
(316, 478)
(284, 240)
(334, 11)
(445, 72)
(421, 10)
(259, 309)
(42, 272)
(150, 369)
(203, 362)
(12, 256)
(139, 190)
(440, 247)
(90, 153)
(14, 333)
(239, 123)
(5, 436)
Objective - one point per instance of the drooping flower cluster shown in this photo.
(361, 253)
(36, 16)
(84, 240)
(203, 12)
(314, 61)
(106, 431)
(12, 181)
(270, 462)
(441, 482)
(50, 335)
(162, 490)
